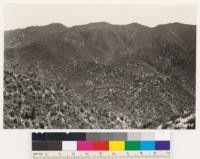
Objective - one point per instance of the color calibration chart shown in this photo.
(78, 145)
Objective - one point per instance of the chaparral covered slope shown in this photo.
(99, 75)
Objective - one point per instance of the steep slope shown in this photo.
(22, 37)
(146, 76)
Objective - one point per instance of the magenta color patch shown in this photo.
(84, 145)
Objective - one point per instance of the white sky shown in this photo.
(22, 15)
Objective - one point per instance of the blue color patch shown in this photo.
(147, 145)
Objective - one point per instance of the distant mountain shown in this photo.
(22, 37)
(146, 73)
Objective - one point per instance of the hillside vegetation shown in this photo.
(100, 75)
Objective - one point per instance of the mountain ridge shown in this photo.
(145, 75)
(103, 22)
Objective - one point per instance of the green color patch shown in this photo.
(132, 145)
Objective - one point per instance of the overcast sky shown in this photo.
(23, 15)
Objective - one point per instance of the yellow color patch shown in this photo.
(116, 145)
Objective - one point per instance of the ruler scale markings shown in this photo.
(101, 145)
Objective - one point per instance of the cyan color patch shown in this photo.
(147, 145)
